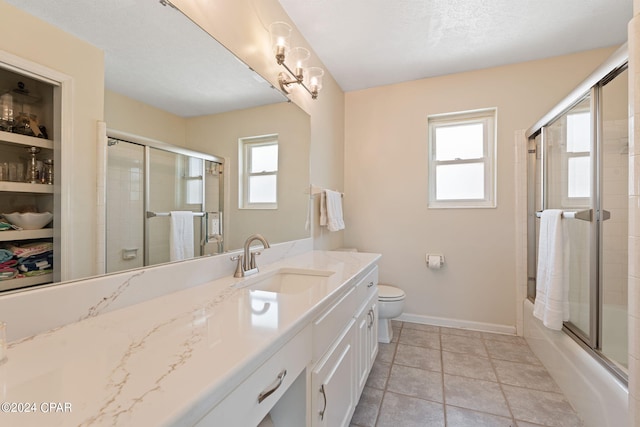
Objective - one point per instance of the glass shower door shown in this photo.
(614, 220)
(569, 186)
(125, 206)
(174, 183)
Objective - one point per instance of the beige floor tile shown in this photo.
(468, 365)
(513, 339)
(418, 357)
(512, 352)
(379, 375)
(526, 424)
(479, 395)
(405, 387)
(463, 344)
(366, 412)
(386, 352)
(541, 407)
(461, 332)
(421, 327)
(415, 382)
(460, 417)
(419, 338)
(405, 411)
(525, 375)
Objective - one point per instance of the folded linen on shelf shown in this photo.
(7, 273)
(28, 249)
(5, 255)
(42, 261)
(9, 264)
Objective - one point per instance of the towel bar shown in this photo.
(152, 214)
(585, 215)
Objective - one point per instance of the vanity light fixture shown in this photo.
(308, 78)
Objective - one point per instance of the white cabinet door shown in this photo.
(366, 341)
(333, 383)
(373, 333)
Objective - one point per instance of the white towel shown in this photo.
(181, 235)
(331, 210)
(323, 209)
(552, 288)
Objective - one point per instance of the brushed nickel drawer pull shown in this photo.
(268, 392)
(324, 395)
(370, 284)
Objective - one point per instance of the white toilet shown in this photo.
(390, 305)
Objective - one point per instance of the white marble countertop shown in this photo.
(166, 361)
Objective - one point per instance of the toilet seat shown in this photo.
(390, 293)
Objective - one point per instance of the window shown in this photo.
(258, 180)
(579, 157)
(193, 180)
(461, 159)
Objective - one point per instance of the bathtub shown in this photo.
(600, 399)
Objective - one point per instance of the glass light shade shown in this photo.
(280, 37)
(314, 79)
(298, 58)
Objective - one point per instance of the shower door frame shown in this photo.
(147, 144)
(592, 87)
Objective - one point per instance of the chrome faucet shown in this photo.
(247, 262)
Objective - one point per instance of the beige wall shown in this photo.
(386, 185)
(41, 43)
(219, 134)
(241, 26)
(128, 115)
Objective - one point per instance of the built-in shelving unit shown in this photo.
(28, 141)
(23, 282)
(34, 99)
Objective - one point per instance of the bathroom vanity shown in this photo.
(293, 343)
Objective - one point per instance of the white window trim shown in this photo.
(244, 145)
(489, 117)
(567, 201)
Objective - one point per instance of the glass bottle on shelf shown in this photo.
(6, 112)
(33, 174)
(48, 171)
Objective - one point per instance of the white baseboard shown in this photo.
(455, 323)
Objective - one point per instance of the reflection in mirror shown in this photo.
(162, 205)
(167, 80)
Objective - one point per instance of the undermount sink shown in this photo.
(287, 280)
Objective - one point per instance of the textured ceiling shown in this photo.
(367, 43)
(156, 55)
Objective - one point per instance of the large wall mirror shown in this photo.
(168, 81)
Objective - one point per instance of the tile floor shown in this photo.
(435, 376)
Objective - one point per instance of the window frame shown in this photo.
(245, 147)
(488, 118)
(567, 200)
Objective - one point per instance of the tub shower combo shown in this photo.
(146, 180)
(578, 163)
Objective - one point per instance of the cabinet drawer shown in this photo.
(333, 383)
(241, 408)
(329, 324)
(368, 286)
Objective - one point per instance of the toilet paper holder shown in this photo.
(434, 260)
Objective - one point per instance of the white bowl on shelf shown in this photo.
(29, 220)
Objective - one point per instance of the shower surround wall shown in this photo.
(125, 205)
(634, 216)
